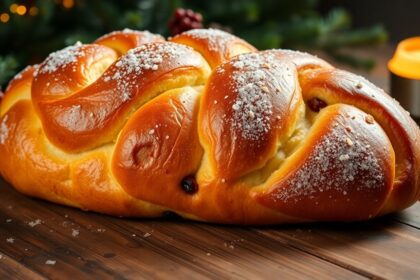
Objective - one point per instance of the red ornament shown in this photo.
(184, 20)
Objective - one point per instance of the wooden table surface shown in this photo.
(41, 240)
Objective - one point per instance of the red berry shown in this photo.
(198, 17)
(190, 13)
(184, 20)
(179, 12)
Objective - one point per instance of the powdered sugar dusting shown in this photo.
(61, 58)
(292, 54)
(128, 31)
(333, 155)
(215, 38)
(20, 74)
(253, 107)
(73, 116)
(75, 232)
(126, 96)
(34, 223)
(50, 262)
(145, 35)
(302, 59)
(4, 130)
(140, 60)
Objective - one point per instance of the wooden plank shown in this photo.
(379, 248)
(410, 216)
(81, 256)
(9, 267)
(115, 248)
(235, 251)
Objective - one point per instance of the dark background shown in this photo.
(337, 28)
(401, 18)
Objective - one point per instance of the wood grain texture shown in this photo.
(10, 267)
(378, 248)
(411, 218)
(86, 245)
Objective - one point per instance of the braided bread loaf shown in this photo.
(206, 127)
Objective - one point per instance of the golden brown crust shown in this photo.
(94, 114)
(241, 126)
(337, 86)
(127, 39)
(18, 88)
(214, 45)
(135, 126)
(346, 161)
(158, 147)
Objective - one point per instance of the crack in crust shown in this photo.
(208, 128)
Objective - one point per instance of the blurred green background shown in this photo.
(30, 30)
